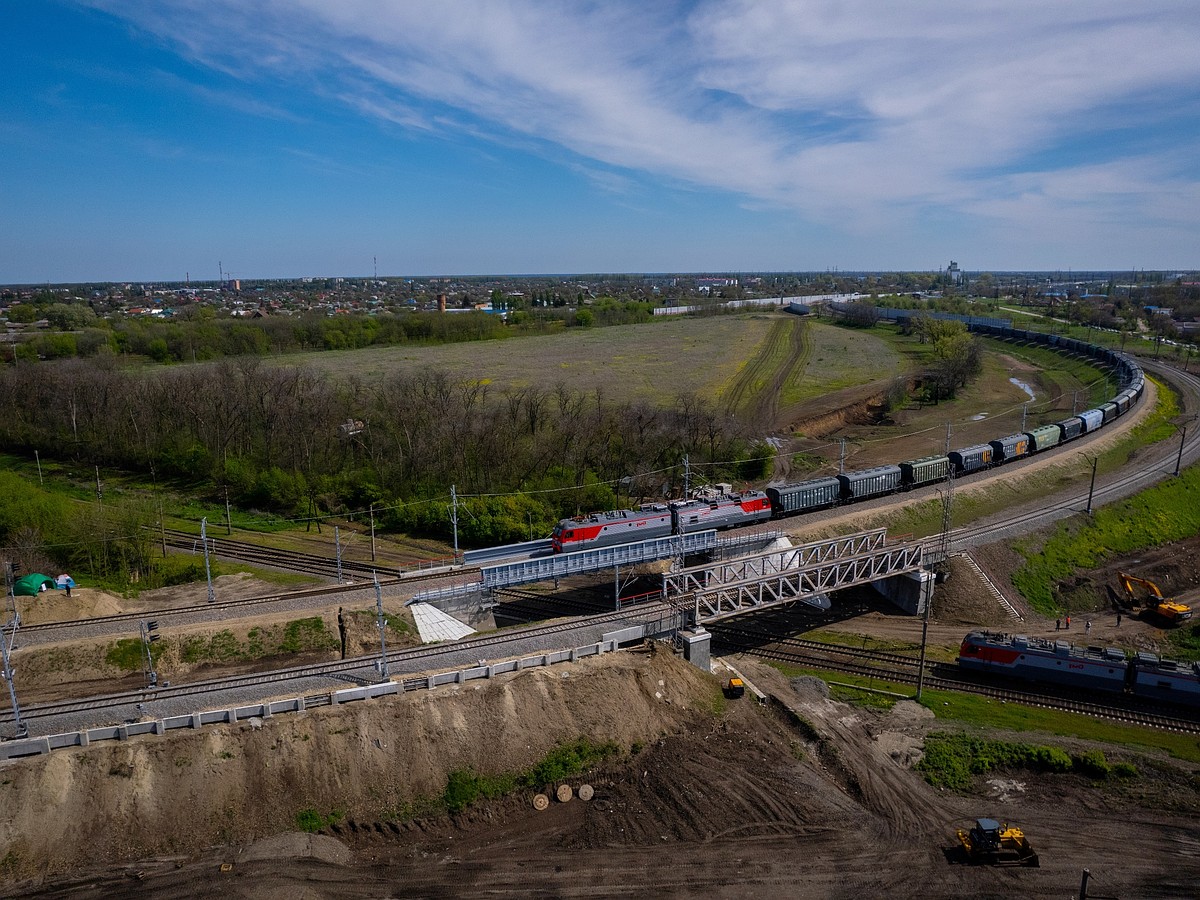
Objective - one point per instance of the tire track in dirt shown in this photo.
(756, 391)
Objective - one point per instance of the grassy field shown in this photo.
(654, 362)
(840, 358)
(780, 359)
(989, 406)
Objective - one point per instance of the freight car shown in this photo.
(1006, 449)
(724, 509)
(926, 470)
(873, 482)
(1069, 429)
(1022, 658)
(971, 459)
(817, 493)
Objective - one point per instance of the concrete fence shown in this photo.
(35, 746)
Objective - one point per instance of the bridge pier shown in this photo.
(696, 643)
(910, 591)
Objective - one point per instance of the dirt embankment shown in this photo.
(220, 785)
(803, 797)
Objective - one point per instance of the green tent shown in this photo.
(31, 585)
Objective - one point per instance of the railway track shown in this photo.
(290, 560)
(895, 667)
(357, 670)
(902, 669)
(218, 609)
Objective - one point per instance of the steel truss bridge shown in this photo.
(723, 587)
(806, 573)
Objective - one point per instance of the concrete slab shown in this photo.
(435, 625)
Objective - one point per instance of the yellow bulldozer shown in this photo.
(991, 844)
(1153, 602)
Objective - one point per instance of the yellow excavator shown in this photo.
(1170, 611)
(991, 844)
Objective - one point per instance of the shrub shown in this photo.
(1092, 764)
(311, 821)
(307, 634)
(1050, 759)
(568, 759)
(129, 655)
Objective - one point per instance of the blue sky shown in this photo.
(149, 140)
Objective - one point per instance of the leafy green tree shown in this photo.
(22, 313)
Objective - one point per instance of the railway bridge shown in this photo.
(745, 573)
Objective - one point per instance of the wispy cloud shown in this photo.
(832, 108)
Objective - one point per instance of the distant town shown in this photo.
(87, 316)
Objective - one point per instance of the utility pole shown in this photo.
(454, 517)
(1074, 402)
(162, 529)
(22, 728)
(382, 622)
(14, 615)
(1092, 488)
(372, 532)
(228, 514)
(687, 476)
(842, 459)
(99, 492)
(1024, 415)
(207, 564)
(947, 437)
(337, 543)
(39, 459)
(1179, 458)
(947, 519)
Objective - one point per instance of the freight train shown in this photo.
(1092, 668)
(724, 509)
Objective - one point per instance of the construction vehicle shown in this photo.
(991, 844)
(1154, 603)
(735, 688)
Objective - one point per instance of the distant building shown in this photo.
(954, 272)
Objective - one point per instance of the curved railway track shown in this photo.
(895, 667)
(902, 669)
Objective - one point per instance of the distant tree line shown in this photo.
(199, 335)
(204, 337)
(288, 439)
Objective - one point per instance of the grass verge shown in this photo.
(975, 711)
(953, 759)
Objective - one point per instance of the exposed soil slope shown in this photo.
(805, 797)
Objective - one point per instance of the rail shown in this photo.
(16, 749)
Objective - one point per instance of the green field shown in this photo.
(654, 362)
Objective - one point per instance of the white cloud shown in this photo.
(828, 107)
